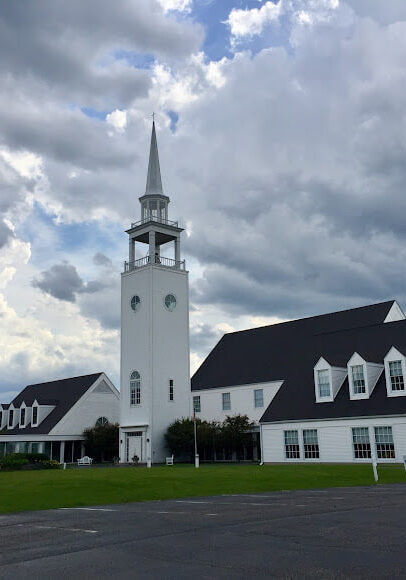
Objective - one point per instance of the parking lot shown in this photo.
(335, 533)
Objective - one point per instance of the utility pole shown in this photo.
(195, 433)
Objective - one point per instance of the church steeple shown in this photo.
(154, 227)
(154, 182)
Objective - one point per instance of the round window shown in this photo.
(170, 302)
(135, 302)
(101, 421)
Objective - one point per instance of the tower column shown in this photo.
(177, 248)
(152, 246)
(131, 250)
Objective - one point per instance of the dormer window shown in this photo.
(323, 381)
(34, 420)
(327, 381)
(397, 382)
(358, 380)
(10, 419)
(362, 377)
(395, 369)
(22, 417)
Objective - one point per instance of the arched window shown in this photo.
(102, 421)
(135, 388)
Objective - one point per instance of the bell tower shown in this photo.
(155, 379)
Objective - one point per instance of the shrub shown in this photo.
(10, 462)
(50, 464)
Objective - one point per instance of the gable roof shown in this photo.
(289, 351)
(63, 394)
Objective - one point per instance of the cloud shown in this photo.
(63, 282)
(287, 165)
(5, 233)
(176, 5)
(118, 120)
(245, 22)
(99, 259)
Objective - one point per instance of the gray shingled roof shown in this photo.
(63, 394)
(289, 351)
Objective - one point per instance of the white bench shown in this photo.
(169, 460)
(85, 460)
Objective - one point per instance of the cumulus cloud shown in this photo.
(100, 259)
(287, 164)
(177, 5)
(249, 22)
(63, 282)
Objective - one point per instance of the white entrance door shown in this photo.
(134, 445)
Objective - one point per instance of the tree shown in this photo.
(234, 432)
(180, 440)
(212, 437)
(101, 441)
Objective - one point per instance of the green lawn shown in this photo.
(33, 490)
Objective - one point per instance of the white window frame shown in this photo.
(371, 442)
(135, 384)
(392, 356)
(303, 451)
(337, 376)
(34, 406)
(223, 395)
(197, 399)
(383, 459)
(285, 445)
(262, 398)
(371, 371)
(12, 410)
(23, 408)
(171, 391)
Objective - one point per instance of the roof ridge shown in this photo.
(286, 322)
(66, 379)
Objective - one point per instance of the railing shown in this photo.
(156, 219)
(156, 260)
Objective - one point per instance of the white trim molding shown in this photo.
(370, 374)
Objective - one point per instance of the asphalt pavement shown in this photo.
(336, 533)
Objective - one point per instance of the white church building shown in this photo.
(328, 388)
(155, 374)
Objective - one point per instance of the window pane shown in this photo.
(258, 398)
(361, 445)
(385, 448)
(196, 404)
(323, 379)
(226, 401)
(311, 444)
(135, 388)
(292, 450)
(396, 375)
(358, 379)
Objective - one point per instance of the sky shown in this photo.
(282, 136)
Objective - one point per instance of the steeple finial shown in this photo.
(154, 182)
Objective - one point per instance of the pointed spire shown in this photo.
(154, 183)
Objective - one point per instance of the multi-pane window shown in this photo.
(171, 390)
(34, 419)
(292, 449)
(10, 418)
(385, 448)
(311, 444)
(258, 398)
(358, 380)
(22, 416)
(323, 380)
(135, 388)
(396, 376)
(361, 444)
(196, 404)
(226, 399)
